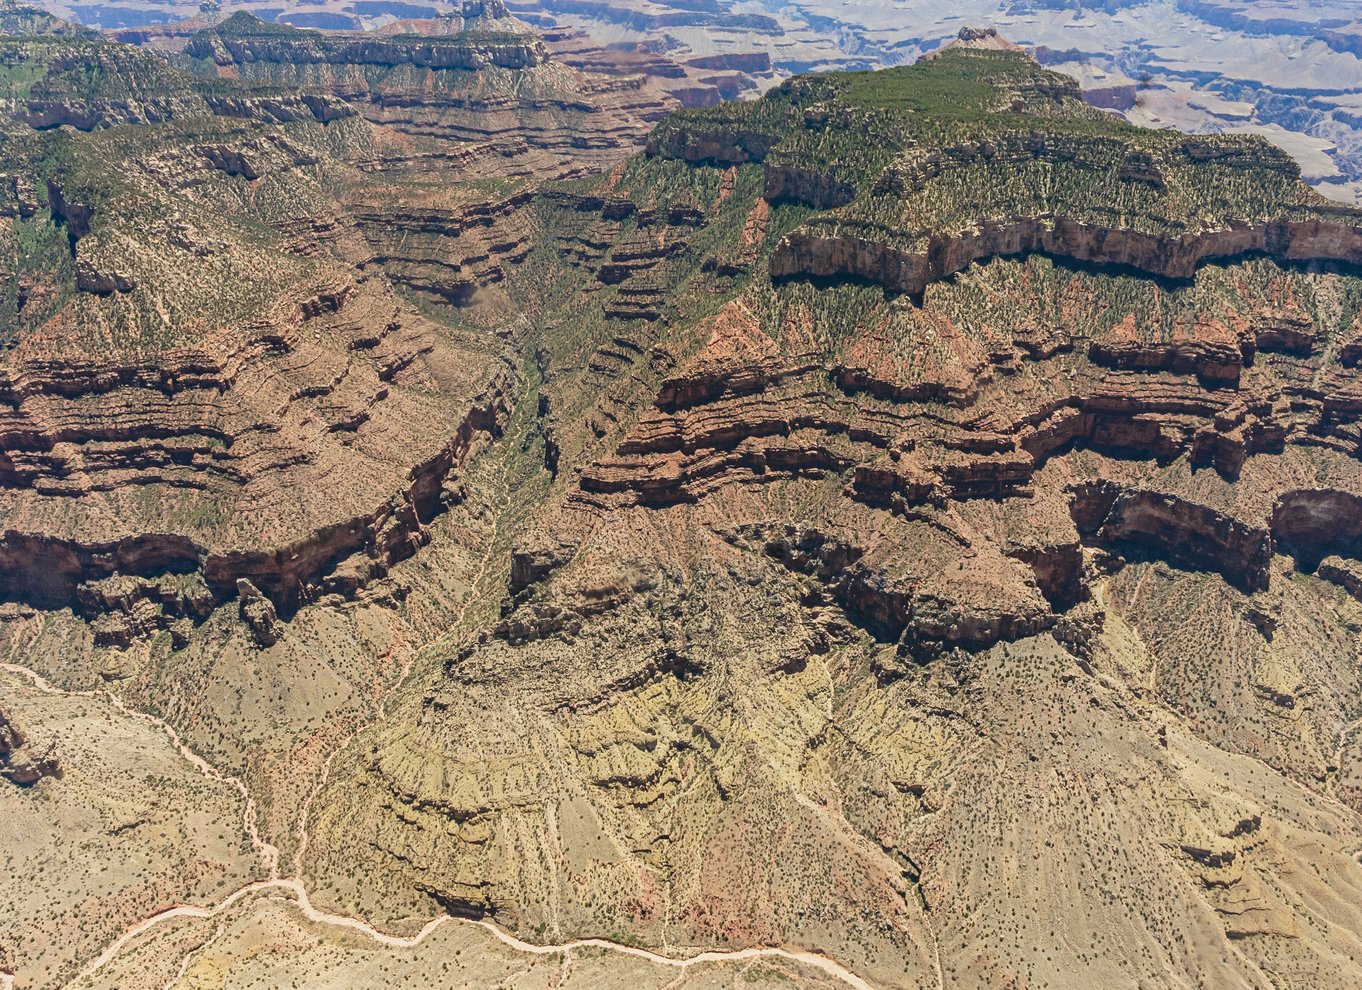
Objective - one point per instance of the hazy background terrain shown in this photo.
(1287, 68)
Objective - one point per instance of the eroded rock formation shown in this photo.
(583, 554)
(21, 763)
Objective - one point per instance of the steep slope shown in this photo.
(175, 365)
(1289, 69)
(206, 425)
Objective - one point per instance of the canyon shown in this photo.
(477, 509)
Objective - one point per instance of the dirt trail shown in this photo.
(489, 552)
(1344, 738)
(294, 886)
(299, 895)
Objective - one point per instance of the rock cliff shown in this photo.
(862, 399)
(20, 764)
(487, 93)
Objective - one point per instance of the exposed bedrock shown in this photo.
(500, 103)
(1311, 525)
(449, 255)
(281, 108)
(49, 571)
(758, 420)
(721, 422)
(754, 62)
(761, 422)
(923, 613)
(255, 158)
(1349, 41)
(304, 47)
(1058, 568)
(806, 253)
(1176, 530)
(806, 185)
(1135, 522)
(1343, 572)
(20, 762)
(209, 432)
(717, 146)
(1163, 419)
(87, 115)
(455, 255)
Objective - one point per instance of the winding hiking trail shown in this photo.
(295, 887)
(1344, 738)
(298, 893)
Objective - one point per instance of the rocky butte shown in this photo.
(905, 530)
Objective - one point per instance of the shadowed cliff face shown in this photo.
(20, 763)
(911, 516)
